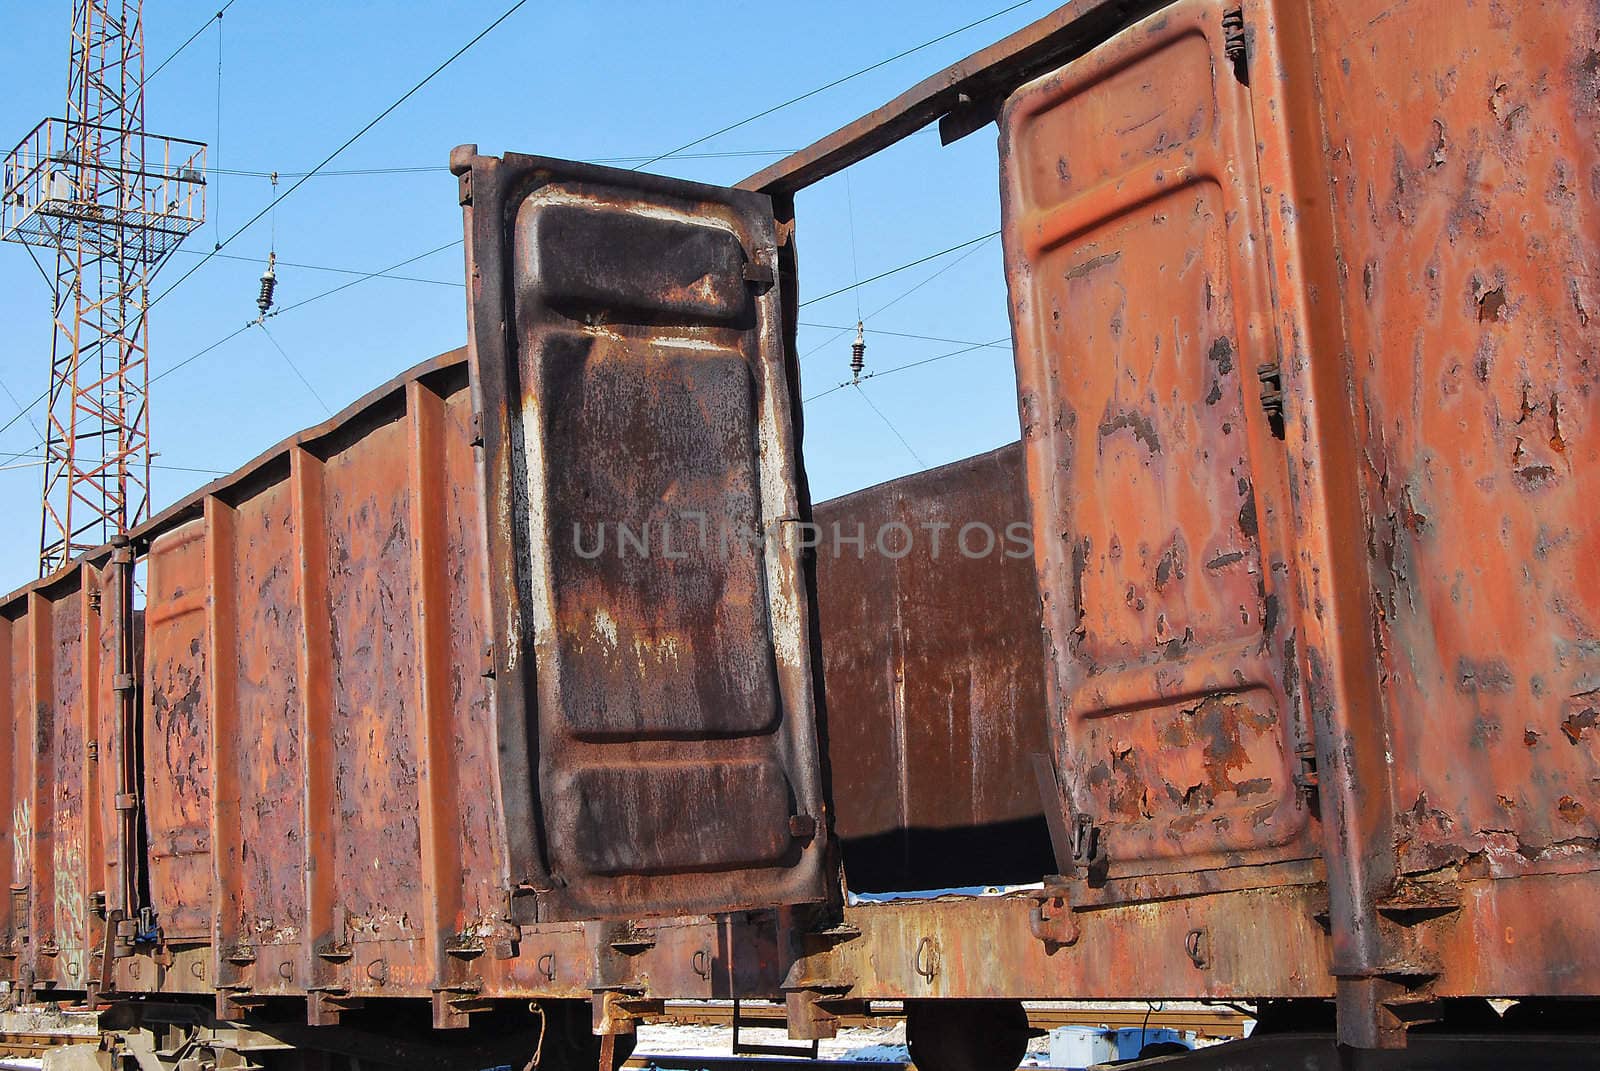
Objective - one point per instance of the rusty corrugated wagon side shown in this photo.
(1300, 294)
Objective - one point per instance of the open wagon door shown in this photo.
(659, 751)
(1152, 427)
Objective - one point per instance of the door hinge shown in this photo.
(1305, 779)
(1270, 376)
(1234, 45)
(1085, 841)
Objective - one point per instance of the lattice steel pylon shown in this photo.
(111, 202)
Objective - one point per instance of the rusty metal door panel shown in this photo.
(473, 831)
(1464, 220)
(177, 734)
(655, 705)
(72, 720)
(255, 686)
(53, 672)
(114, 861)
(364, 508)
(15, 800)
(1131, 220)
(935, 678)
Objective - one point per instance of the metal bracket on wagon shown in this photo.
(617, 1011)
(1053, 921)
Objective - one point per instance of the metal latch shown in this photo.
(1052, 920)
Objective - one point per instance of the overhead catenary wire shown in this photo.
(7, 466)
(895, 334)
(236, 332)
(294, 368)
(22, 411)
(858, 348)
(217, 18)
(892, 302)
(216, 147)
(380, 273)
(302, 177)
(337, 270)
(679, 152)
(836, 82)
(880, 373)
(268, 287)
(407, 95)
(445, 168)
(890, 425)
(897, 270)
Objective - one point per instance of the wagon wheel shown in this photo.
(966, 1035)
(569, 1044)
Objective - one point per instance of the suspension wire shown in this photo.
(289, 308)
(901, 268)
(384, 273)
(1003, 342)
(891, 334)
(16, 402)
(889, 424)
(216, 145)
(6, 466)
(836, 82)
(407, 95)
(855, 261)
(912, 364)
(269, 278)
(341, 271)
(229, 337)
(840, 332)
(379, 274)
(189, 41)
(858, 348)
(422, 168)
(294, 368)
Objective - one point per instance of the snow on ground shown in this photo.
(886, 1043)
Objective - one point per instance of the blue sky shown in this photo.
(583, 81)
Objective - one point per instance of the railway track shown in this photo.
(765, 1063)
(35, 1043)
(1211, 1022)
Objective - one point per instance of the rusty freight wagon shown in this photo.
(1302, 677)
